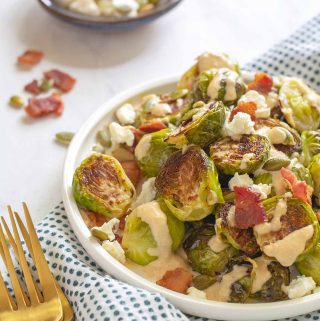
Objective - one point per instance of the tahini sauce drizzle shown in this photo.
(262, 274)
(216, 244)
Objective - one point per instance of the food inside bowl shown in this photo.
(211, 190)
(109, 8)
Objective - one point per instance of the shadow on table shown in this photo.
(70, 45)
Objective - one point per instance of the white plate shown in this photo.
(79, 148)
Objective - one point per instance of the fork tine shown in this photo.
(22, 261)
(13, 276)
(6, 301)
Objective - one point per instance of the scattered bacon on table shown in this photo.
(262, 83)
(30, 58)
(249, 107)
(62, 80)
(33, 87)
(152, 127)
(177, 280)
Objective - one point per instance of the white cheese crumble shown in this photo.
(143, 146)
(120, 135)
(272, 99)
(241, 124)
(300, 287)
(209, 60)
(115, 250)
(263, 189)
(263, 111)
(126, 114)
(245, 160)
(109, 228)
(161, 109)
(126, 6)
(88, 7)
(240, 181)
(147, 194)
(195, 293)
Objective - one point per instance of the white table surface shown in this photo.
(107, 63)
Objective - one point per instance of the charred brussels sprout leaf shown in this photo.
(303, 174)
(310, 145)
(101, 185)
(138, 240)
(201, 257)
(298, 109)
(228, 154)
(310, 264)
(156, 153)
(188, 184)
(188, 78)
(203, 128)
(314, 169)
(241, 239)
(202, 282)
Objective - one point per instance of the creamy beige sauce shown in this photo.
(275, 224)
(208, 60)
(245, 159)
(278, 183)
(290, 247)
(216, 244)
(231, 216)
(143, 146)
(262, 274)
(220, 291)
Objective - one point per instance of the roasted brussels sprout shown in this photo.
(152, 152)
(101, 185)
(314, 169)
(299, 110)
(303, 174)
(310, 145)
(151, 232)
(285, 217)
(228, 154)
(220, 85)
(241, 239)
(292, 141)
(310, 264)
(188, 184)
(272, 289)
(201, 256)
(203, 281)
(203, 128)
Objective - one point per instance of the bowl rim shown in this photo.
(198, 307)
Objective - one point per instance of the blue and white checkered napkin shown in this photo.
(96, 296)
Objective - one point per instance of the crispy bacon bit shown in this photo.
(30, 58)
(245, 107)
(92, 219)
(132, 170)
(61, 80)
(137, 135)
(249, 211)
(152, 127)
(299, 189)
(52, 104)
(33, 87)
(176, 280)
(262, 83)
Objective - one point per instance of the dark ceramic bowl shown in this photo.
(108, 23)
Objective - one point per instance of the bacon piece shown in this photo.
(52, 104)
(152, 127)
(249, 107)
(92, 219)
(176, 280)
(137, 135)
(61, 80)
(249, 210)
(289, 176)
(33, 87)
(30, 58)
(262, 83)
(132, 170)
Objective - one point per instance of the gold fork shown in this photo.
(34, 306)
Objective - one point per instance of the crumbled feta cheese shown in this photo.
(272, 99)
(115, 250)
(109, 228)
(245, 159)
(263, 189)
(120, 135)
(240, 181)
(106, 7)
(143, 146)
(147, 194)
(88, 7)
(263, 111)
(126, 114)
(241, 124)
(195, 293)
(209, 60)
(126, 6)
(300, 287)
(160, 109)
(274, 153)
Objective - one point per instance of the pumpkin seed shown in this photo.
(275, 164)
(16, 101)
(180, 93)
(64, 137)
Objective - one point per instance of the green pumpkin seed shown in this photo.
(96, 232)
(103, 138)
(98, 148)
(275, 164)
(16, 101)
(179, 94)
(198, 104)
(64, 137)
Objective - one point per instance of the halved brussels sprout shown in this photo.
(314, 169)
(203, 128)
(188, 184)
(310, 145)
(200, 255)
(154, 155)
(310, 264)
(303, 174)
(295, 215)
(151, 230)
(241, 239)
(227, 154)
(293, 141)
(101, 185)
(299, 105)
(272, 290)
(220, 85)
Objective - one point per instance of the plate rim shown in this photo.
(187, 304)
